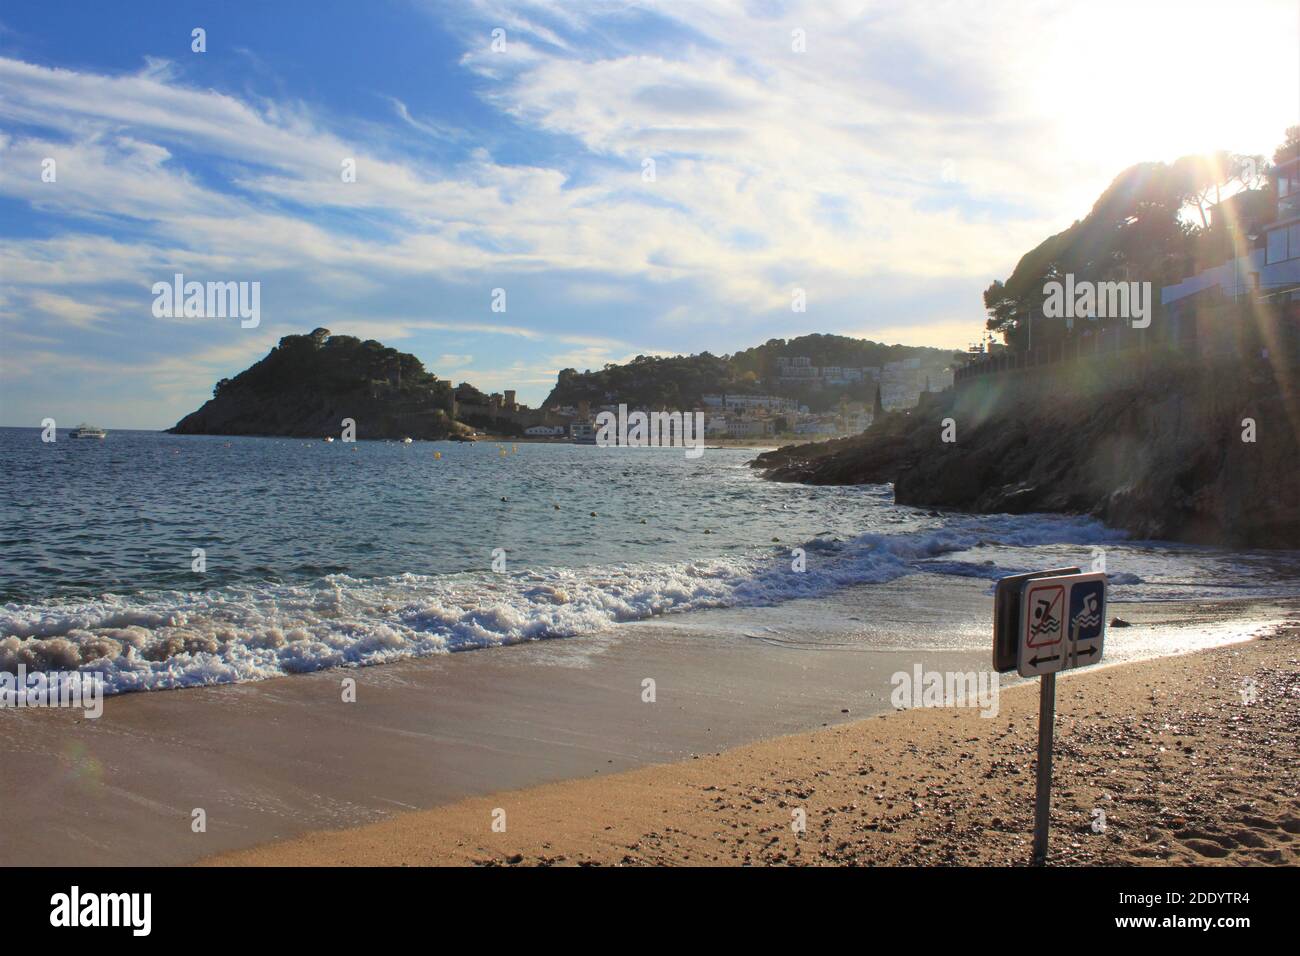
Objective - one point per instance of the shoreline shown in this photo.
(1157, 762)
(276, 759)
(769, 443)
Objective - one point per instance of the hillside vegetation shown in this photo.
(308, 384)
(680, 381)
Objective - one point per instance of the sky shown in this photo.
(889, 159)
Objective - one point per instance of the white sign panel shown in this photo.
(1062, 623)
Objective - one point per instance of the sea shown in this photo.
(165, 562)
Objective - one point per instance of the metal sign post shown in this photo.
(1046, 622)
(1043, 798)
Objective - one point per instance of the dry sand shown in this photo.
(1184, 768)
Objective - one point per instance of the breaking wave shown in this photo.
(170, 639)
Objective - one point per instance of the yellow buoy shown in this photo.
(437, 455)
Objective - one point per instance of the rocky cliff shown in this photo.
(1160, 450)
(308, 384)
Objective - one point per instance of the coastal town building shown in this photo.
(740, 415)
(499, 412)
(902, 382)
(773, 403)
(843, 376)
(796, 369)
(1270, 272)
(1246, 306)
(799, 370)
(749, 427)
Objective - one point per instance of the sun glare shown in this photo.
(1129, 83)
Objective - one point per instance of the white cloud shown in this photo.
(911, 145)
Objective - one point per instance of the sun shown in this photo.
(1131, 82)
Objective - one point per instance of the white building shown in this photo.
(748, 427)
(796, 368)
(899, 395)
(773, 403)
(799, 369)
(544, 431)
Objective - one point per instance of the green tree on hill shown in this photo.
(1153, 223)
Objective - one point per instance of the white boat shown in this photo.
(407, 441)
(329, 438)
(87, 431)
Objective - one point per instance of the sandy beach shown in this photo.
(277, 761)
(1185, 760)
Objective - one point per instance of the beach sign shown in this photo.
(1045, 622)
(1006, 616)
(1062, 623)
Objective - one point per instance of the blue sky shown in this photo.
(904, 158)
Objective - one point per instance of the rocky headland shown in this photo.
(309, 384)
(1164, 450)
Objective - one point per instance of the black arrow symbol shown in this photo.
(1089, 652)
(1035, 661)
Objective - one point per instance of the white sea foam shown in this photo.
(169, 639)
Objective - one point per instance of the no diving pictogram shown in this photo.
(1046, 612)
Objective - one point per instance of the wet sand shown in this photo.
(1186, 760)
(274, 760)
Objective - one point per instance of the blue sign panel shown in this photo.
(1062, 622)
(1087, 610)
